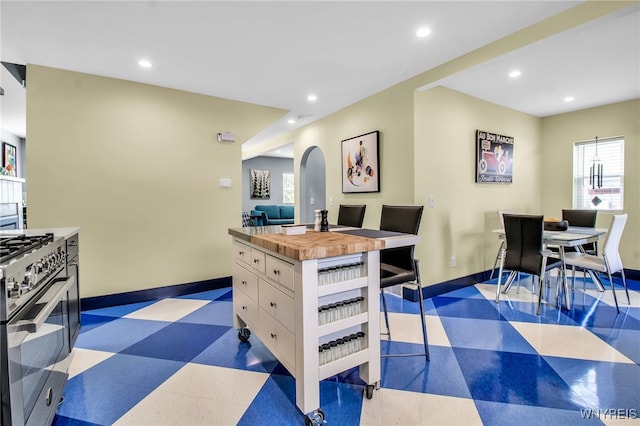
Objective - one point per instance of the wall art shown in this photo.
(260, 184)
(494, 158)
(360, 163)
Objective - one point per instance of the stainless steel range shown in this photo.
(34, 315)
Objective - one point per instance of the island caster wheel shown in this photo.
(315, 418)
(244, 334)
(369, 391)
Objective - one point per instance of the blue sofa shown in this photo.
(265, 215)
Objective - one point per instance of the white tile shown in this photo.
(198, 395)
(395, 407)
(607, 295)
(408, 328)
(168, 310)
(568, 342)
(84, 359)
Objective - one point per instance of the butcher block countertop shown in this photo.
(311, 245)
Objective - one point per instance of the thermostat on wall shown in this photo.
(226, 137)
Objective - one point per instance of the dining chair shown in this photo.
(398, 265)
(583, 218)
(351, 215)
(496, 262)
(524, 252)
(610, 262)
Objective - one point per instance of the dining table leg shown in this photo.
(565, 285)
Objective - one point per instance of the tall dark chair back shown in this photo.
(404, 219)
(525, 251)
(397, 265)
(351, 215)
(586, 218)
(524, 243)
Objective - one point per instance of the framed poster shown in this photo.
(260, 184)
(494, 158)
(360, 164)
(9, 159)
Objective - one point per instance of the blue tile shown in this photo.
(228, 351)
(603, 316)
(626, 342)
(466, 308)
(218, 313)
(67, 421)
(399, 305)
(515, 378)
(120, 310)
(177, 341)
(469, 292)
(496, 413)
(341, 402)
(89, 322)
(274, 404)
(218, 294)
(441, 375)
(526, 312)
(602, 385)
(118, 334)
(496, 335)
(108, 390)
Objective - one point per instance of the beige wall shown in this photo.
(560, 132)
(390, 112)
(137, 167)
(465, 212)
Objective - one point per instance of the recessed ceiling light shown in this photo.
(312, 98)
(569, 99)
(144, 63)
(423, 32)
(291, 121)
(515, 74)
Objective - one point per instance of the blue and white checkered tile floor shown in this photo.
(178, 361)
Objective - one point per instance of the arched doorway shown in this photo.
(312, 184)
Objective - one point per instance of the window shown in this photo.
(610, 195)
(287, 188)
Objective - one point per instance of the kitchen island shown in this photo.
(313, 300)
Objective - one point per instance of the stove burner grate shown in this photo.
(13, 247)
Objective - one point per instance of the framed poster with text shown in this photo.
(494, 158)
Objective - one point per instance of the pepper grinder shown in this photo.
(316, 225)
(324, 223)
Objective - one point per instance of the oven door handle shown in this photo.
(58, 289)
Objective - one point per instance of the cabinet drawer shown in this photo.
(277, 304)
(280, 272)
(277, 338)
(245, 308)
(258, 260)
(245, 281)
(242, 252)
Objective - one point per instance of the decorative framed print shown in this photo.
(360, 163)
(494, 158)
(9, 159)
(260, 184)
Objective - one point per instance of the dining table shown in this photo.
(574, 236)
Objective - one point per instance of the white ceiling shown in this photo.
(276, 53)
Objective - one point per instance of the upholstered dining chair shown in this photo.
(584, 218)
(610, 261)
(398, 265)
(524, 252)
(496, 262)
(351, 215)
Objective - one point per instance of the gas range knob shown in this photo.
(14, 289)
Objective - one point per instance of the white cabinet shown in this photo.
(278, 298)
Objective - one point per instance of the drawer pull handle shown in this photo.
(244, 308)
(256, 260)
(241, 253)
(244, 282)
(273, 304)
(274, 336)
(276, 272)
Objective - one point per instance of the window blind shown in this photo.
(610, 196)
